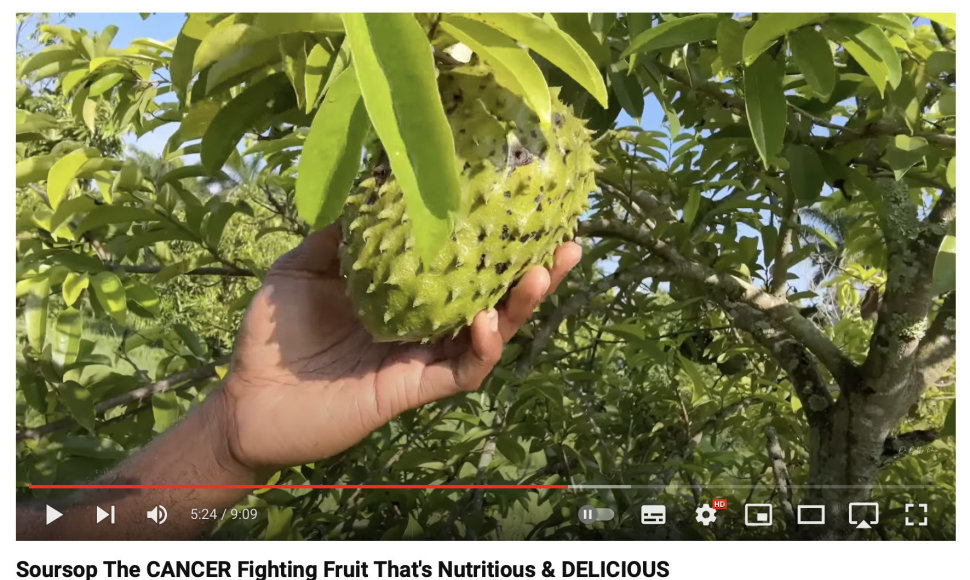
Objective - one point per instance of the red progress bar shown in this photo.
(294, 486)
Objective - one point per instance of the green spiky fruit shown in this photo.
(524, 186)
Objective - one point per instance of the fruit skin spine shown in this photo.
(524, 186)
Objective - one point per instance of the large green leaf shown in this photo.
(113, 214)
(67, 337)
(512, 66)
(730, 39)
(74, 283)
(805, 172)
(870, 47)
(769, 28)
(395, 70)
(111, 294)
(813, 57)
(331, 154)
(554, 45)
(62, 174)
(945, 268)
(189, 38)
(35, 311)
(79, 403)
(764, 101)
(675, 33)
(270, 96)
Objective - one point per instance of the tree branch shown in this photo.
(725, 288)
(780, 471)
(139, 395)
(204, 271)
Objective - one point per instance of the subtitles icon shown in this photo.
(157, 514)
(863, 523)
(923, 507)
(757, 514)
(652, 515)
(811, 515)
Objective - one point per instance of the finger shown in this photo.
(564, 260)
(317, 253)
(484, 353)
(523, 299)
(464, 371)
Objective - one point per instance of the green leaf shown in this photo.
(813, 57)
(730, 37)
(279, 522)
(142, 298)
(166, 410)
(331, 154)
(577, 25)
(270, 96)
(949, 428)
(512, 66)
(628, 92)
(675, 33)
(769, 28)
(79, 403)
(225, 38)
(190, 339)
(275, 24)
(904, 152)
(28, 122)
(945, 267)
(700, 385)
(764, 102)
(35, 312)
(113, 214)
(805, 172)
(870, 47)
(948, 19)
(105, 83)
(67, 337)
(74, 283)
(951, 172)
(554, 45)
(293, 53)
(511, 449)
(33, 169)
(111, 295)
(62, 174)
(395, 70)
(318, 60)
(189, 38)
(693, 203)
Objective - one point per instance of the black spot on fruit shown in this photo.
(557, 120)
(481, 264)
(481, 236)
(505, 232)
(372, 198)
(508, 194)
(501, 267)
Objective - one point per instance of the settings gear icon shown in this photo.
(706, 514)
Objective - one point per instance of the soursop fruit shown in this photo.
(524, 186)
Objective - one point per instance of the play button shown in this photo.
(52, 514)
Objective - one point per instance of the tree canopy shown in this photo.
(765, 310)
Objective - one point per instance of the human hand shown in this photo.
(308, 381)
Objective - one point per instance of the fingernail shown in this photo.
(492, 319)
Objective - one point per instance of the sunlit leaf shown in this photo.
(764, 102)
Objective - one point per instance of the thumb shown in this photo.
(317, 253)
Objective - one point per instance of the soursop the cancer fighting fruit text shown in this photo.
(524, 186)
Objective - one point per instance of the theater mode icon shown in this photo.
(652, 515)
(860, 519)
(811, 515)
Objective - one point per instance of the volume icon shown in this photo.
(157, 514)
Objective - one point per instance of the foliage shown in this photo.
(753, 266)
